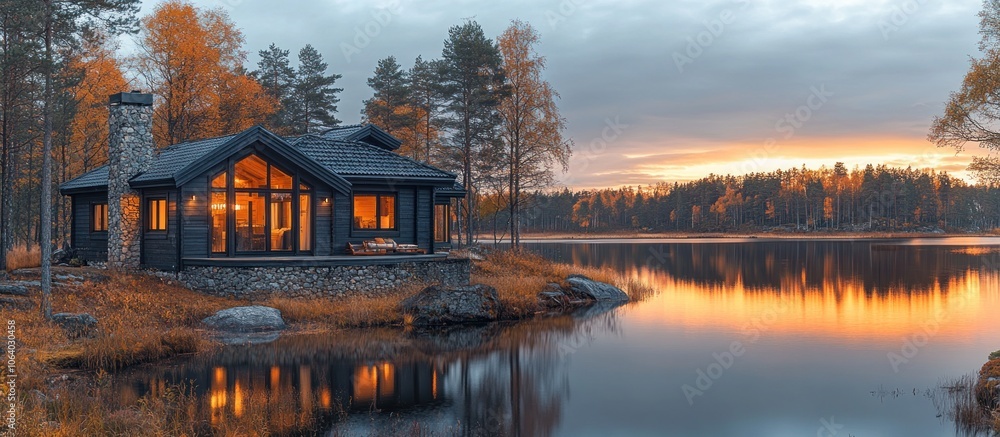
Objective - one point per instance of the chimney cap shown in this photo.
(132, 98)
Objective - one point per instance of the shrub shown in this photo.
(995, 355)
(24, 256)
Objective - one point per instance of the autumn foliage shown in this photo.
(192, 60)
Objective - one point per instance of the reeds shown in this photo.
(24, 256)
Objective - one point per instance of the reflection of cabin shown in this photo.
(253, 194)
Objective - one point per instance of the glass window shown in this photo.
(157, 214)
(249, 212)
(219, 210)
(251, 172)
(442, 219)
(281, 221)
(305, 224)
(280, 180)
(374, 211)
(99, 217)
(365, 211)
(258, 209)
(219, 181)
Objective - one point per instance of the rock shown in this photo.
(76, 325)
(436, 305)
(17, 303)
(13, 290)
(246, 319)
(587, 288)
(553, 296)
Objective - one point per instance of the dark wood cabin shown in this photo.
(257, 195)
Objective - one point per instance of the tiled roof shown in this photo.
(342, 132)
(97, 177)
(174, 158)
(344, 158)
(355, 158)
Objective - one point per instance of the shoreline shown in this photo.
(819, 235)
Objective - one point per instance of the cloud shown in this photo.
(616, 60)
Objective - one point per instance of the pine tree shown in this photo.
(277, 77)
(316, 97)
(425, 93)
(472, 85)
(391, 107)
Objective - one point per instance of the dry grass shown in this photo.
(344, 312)
(519, 276)
(24, 256)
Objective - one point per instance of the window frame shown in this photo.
(93, 210)
(378, 212)
(151, 216)
(300, 186)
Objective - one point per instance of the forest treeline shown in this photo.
(873, 198)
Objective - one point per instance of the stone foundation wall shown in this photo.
(369, 280)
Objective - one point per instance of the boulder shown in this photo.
(13, 290)
(437, 305)
(553, 296)
(76, 325)
(246, 319)
(17, 303)
(587, 288)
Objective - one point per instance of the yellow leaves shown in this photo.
(192, 59)
(100, 76)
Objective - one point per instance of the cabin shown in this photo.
(255, 198)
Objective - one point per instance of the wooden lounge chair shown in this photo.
(361, 250)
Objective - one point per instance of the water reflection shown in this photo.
(498, 379)
(842, 289)
(843, 306)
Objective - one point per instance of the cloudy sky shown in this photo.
(668, 90)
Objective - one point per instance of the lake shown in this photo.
(745, 337)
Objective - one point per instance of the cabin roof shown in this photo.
(346, 152)
(352, 158)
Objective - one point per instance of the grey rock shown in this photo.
(246, 319)
(17, 303)
(587, 288)
(76, 325)
(13, 290)
(437, 305)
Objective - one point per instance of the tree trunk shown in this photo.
(45, 238)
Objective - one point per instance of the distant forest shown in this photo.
(875, 198)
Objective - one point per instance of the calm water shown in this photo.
(745, 338)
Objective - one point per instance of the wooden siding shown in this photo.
(341, 224)
(424, 217)
(159, 248)
(195, 225)
(324, 222)
(91, 246)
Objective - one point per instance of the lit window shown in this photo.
(99, 221)
(375, 211)
(441, 221)
(157, 214)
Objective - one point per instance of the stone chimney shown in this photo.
(130, 152)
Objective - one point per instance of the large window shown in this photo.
(157, 212)
(442, 219)
(375, 211)
(261, 207)
(99, 217)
